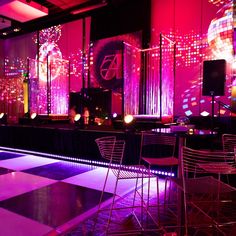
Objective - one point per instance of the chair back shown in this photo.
(228, 142)
(157, 145)
(191, 160)
(111, 149)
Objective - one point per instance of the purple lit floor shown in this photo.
(48, 197)
(43, 196)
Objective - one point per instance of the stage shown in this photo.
(64, 139)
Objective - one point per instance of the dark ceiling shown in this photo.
(59, 11)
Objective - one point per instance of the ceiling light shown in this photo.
(17, 29)
(22, 11)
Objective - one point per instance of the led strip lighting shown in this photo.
(82, 161)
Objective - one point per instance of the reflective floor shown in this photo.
(47, 197)
(43, 196)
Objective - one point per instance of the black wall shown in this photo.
(121, 17)
(92, 98)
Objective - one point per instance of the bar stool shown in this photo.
(112, 150)
(158, 150)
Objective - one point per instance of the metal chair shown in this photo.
(228, 142)
(158, 150)
(207, 201)
(112, 150)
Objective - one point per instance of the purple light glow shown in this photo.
(84, 161)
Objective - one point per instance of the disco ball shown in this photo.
(52, 53)
(220, 33)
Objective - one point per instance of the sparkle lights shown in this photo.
(48, 35)
(52, 98)
(11, 90)
(49, 75)
(189, 48)
(76, 61)
(49, 52)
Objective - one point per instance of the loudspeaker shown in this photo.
(214, 73)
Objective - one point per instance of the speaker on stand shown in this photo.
(214, 74)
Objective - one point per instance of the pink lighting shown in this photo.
(21, 11)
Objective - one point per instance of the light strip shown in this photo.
(83, 161)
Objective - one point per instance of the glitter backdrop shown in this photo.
(45, 96)
(115, 65)
(202, 30)
(49, 75)
(11, 91)
(159, 88)
(50, 96)
(132, 79)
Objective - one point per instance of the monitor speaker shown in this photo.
(214, 73)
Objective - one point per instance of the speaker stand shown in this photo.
(212, 111)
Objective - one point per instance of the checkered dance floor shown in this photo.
(44, 196)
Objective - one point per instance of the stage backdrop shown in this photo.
(115, 65)
(202, 30)
(192, 31)
(62, 43)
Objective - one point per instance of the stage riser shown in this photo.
(81, 142)
(69, 142)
